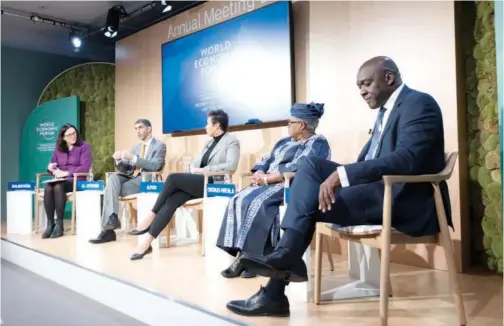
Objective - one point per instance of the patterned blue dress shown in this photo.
(252, 217)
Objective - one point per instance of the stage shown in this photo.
(174, 286)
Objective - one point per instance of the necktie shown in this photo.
(138, 169)
(375, 139)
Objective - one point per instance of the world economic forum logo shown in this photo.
(47, 130)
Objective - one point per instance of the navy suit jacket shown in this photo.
(412, 143)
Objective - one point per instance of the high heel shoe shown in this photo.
(138, 256)
(138, 232)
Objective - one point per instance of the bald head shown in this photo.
(377, 79)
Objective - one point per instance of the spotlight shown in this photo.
(76, 40)
(113, 20)
(167, 7)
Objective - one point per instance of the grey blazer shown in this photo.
(224, 157)
(154, 160)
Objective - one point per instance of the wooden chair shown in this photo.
(381, 237)
(197, 204)
(39, 197)
(130, 200)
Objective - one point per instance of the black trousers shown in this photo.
(178, 189)
(55, 198)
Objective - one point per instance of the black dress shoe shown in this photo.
(235, 270)
(138, 232)
(247, 274)
(140, 256)
(113, 223)
(261, 304)
(105, 236)
(279, 264)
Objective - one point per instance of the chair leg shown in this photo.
(329, 252)
(36, 214)
(318, 267)
(201, 232)
(168, 233)
(391, 294)
(450, 261)
(72, 229)
(385, 256)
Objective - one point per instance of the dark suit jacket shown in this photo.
(412, 143)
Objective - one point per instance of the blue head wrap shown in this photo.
(311, 111)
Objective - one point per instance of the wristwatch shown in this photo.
(265, 178)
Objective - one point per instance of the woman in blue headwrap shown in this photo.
(251, 223)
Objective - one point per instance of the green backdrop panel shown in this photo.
(94, 84)
(40, 132)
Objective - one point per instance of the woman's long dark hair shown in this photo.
(61, 143)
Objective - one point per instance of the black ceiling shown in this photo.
(20, 32)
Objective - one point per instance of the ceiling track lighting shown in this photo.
(167, 7)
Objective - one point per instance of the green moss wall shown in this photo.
(94, 84)
(484, 147)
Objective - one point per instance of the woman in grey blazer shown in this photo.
(220, 154)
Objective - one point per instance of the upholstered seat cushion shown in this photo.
(358, 229)
(129, 197)
(193, 202)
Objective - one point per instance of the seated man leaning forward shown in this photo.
(147, 156)
(407, 140)
(251, 222)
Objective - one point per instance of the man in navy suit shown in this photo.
(407, 140)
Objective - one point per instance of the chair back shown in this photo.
(450, 160)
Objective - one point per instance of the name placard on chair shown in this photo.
(221, 190)
(90, 185)
(20, 186)
(88, 209)
(287, 195)
(152, 187)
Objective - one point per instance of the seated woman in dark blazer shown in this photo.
(220, 154)
(71, 155)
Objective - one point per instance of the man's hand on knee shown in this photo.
(326, 192)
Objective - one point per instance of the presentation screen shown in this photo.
(242, 66)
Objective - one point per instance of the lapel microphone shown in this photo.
(370, 131)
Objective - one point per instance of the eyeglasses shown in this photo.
(71, 134)
(293, 122)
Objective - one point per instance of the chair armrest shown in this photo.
(222, 173)
(76, 175)
(81, 174)
(433, 178)
(241, 178)
(37, 182)
(288, 176)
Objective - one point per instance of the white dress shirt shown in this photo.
(389, 105)
(134, 160)
(147, 144)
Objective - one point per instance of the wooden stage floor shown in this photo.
(421, 297)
